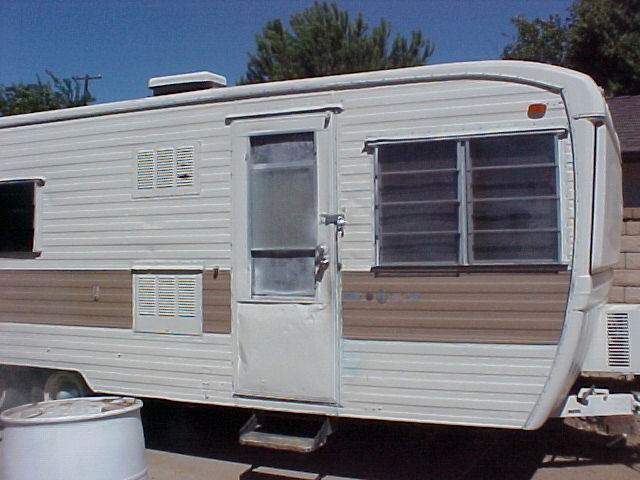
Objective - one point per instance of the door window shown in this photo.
(282, 214)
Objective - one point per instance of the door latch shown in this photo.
(322, 261)
(336, 219)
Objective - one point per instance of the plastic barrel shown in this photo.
(97, 438)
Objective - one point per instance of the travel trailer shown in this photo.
(431, 244)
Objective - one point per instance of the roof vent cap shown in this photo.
(186, 82)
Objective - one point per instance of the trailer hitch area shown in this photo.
(599, 402)
(585, 393)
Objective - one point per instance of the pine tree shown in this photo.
(323, 41)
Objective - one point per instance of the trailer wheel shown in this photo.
(61, 385)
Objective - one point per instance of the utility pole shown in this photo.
(86, 79)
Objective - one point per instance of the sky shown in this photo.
(128, 42)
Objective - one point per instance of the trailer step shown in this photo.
(294, 433)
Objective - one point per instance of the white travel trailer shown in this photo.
(430, 244)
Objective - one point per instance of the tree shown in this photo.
(600, 38)
(605, 43)
(539, 40)
(323, 41)
(40, 96)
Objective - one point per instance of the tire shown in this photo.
(11, 397)
(62, 385)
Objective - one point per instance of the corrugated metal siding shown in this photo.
(95, 298)
(119, 361)
(89, 218)
(527, 308)
(458, 384)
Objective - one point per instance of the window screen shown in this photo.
(17, 215)
(418, 202)
(474, 201)
(282, 214)
(513, 201)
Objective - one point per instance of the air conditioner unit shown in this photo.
(615, 345)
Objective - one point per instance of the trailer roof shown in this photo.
(581, 94)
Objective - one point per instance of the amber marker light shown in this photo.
(536, 110)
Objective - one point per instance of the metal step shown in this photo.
(294, 433)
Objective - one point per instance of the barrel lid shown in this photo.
(70, 410)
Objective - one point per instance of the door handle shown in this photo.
(336, 219)
(322, 261)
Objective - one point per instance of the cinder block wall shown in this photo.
(626, 278)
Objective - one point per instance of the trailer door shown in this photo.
(284, 258)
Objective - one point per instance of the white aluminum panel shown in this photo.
(285, 351)
(458, 384)
(119, 361)
(607, 203)
(615, 340)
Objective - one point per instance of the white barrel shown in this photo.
(97, 438)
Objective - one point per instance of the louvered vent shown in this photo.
(166, 295)
(168, 303)
(618, 339)
(146, 170)
(165, 169)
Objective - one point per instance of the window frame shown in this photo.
(466, 232)
(35, 250)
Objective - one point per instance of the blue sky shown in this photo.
(129, 41)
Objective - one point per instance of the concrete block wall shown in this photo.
(626, 280)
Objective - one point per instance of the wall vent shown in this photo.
(168, 303)
(186, 82)
(171, 170)
(618, 345)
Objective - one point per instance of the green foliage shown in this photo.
(600, 38)
(21, 98)
(323, 41)
(539, 40)
(605, 43)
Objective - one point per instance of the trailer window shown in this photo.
(466, 202)
(17, 216)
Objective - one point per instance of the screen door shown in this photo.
(285, 326)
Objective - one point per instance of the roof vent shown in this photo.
(186, 82)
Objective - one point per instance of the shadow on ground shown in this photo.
(375, 450)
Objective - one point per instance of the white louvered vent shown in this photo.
(146, 169)
(185, 166)
(618, 339)
(168, 303)
(165, 171)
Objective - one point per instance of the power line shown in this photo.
(86, 79)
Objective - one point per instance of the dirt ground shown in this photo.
(203, 442)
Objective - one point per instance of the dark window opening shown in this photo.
(17, 216)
